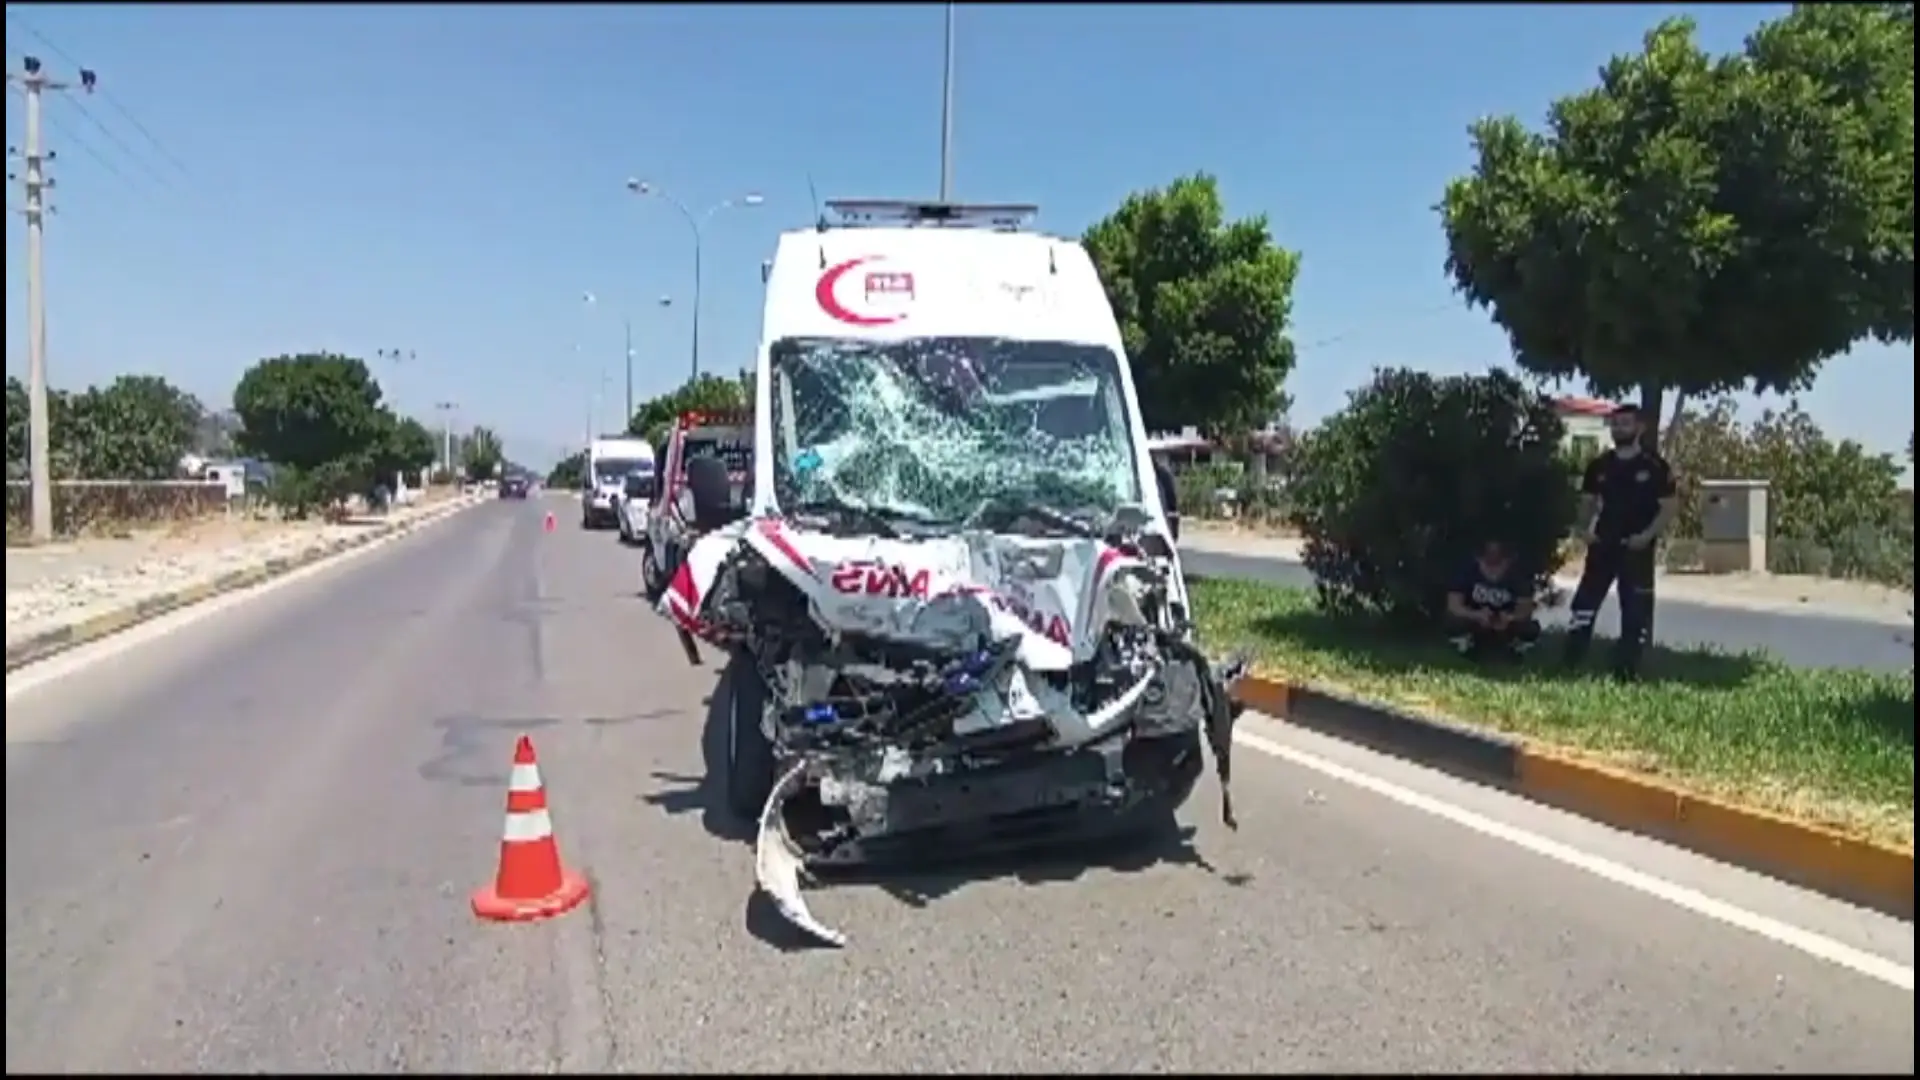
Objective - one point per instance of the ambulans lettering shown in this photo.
(899, 583)
(1051, 627)
(879, 579)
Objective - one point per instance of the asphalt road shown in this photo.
(247, 845)
(1808, 641)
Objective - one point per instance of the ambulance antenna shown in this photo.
(819, 220)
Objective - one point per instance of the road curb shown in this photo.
(50, 643)
(1856, 871)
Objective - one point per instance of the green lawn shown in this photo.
(1834, 747)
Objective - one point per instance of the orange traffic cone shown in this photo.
(548, 524)
(531, 883)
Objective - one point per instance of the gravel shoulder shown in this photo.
(69, 582)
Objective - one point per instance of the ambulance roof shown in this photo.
(892, 282)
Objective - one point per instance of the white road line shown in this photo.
(26, 680)
(1806, 941)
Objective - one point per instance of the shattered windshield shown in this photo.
(610, 470)
(930, 428)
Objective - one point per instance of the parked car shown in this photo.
(631, 504)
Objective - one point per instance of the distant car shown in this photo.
(609, 460)
(631, 505)
(514, 487)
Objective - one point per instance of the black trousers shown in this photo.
(1474, 640)
(1610, 564)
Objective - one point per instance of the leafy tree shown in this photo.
(569, 471)
(1836, 495)
(406, 446)
(706, 392)
(1697, 225)
(1203, 306)
(134, 428)
(1400, 488)
(481, 454)
(318, 417)
(137, 427)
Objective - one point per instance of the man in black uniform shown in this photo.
(1627, 499)
(1490, 607)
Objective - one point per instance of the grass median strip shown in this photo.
(1831, 747)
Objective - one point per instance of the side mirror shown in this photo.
(712, 492)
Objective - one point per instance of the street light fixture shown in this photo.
(695, 222)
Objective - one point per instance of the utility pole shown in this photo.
(33, 82)
(446, 436)
(946, 117)
(629, 419)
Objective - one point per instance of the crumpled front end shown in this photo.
(966, 693)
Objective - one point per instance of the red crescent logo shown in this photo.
(824, 294)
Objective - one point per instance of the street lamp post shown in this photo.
(665, 302)
(946, 117)
(696, 222)
(398, 358)
(589, 304)
(445, 408)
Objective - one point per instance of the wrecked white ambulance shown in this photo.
(952, 608)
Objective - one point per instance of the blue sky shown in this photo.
(449, 179)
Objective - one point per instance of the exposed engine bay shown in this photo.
(961, 689)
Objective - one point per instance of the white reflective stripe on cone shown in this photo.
(524, 778)
(528, 827)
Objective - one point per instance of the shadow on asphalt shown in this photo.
(1164, 844)
(1151, 843)
(706, 794)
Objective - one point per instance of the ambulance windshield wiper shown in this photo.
(845, 516)
(1007, 510)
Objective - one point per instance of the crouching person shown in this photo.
(1490, 607)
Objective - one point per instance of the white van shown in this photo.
(921, 356)
(609, 460)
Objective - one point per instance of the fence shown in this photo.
(81, 506)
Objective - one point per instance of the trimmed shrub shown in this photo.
(1401, 487)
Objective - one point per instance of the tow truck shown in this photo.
(700, 449)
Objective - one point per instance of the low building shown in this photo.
(1586, 423)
